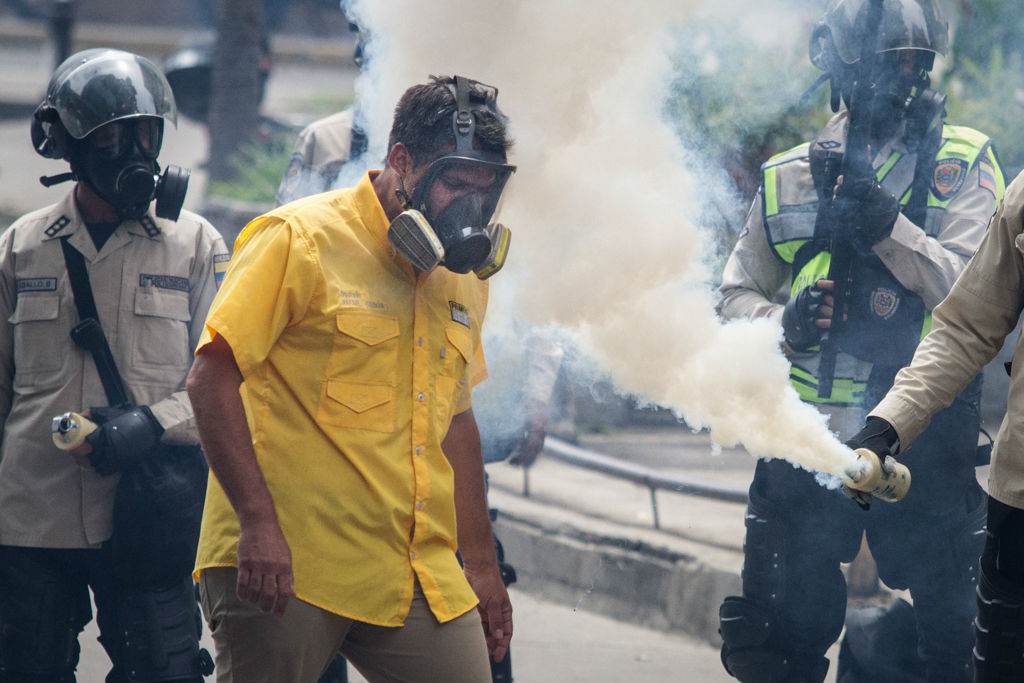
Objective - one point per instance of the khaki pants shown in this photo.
(253, 646)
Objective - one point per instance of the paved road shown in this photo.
(556, 643)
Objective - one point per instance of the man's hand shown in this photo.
(531, 442)
(495, 609)
(119, 442)
(879, 437)
(874, 208)
(808, 314)
(265, 567)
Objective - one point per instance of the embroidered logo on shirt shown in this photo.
(57, 226)
(948, 178)
(220, 266)
(36, 284)
(460, 313)
(178, 284)
(884, 302)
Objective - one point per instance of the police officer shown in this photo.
(919, 211)
(152, 273)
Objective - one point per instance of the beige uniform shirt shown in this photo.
(321, 149)
(968, 330)
(153, 282)
(925, 259)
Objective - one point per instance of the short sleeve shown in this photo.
(267, 287)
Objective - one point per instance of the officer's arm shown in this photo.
(461, 446)
(753, 274)
(929, 265)
(264, 558)
(969, 326)
(8, 300)
(174, 413)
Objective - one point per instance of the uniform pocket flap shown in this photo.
(162, 304)
(369, 328)
(359, 396)
(461, 339)
(35, 307)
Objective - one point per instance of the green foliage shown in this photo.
(256, 169)
(985, 95)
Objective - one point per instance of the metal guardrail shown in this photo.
(645, 476)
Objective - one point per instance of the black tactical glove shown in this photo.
(879, 437)
(798, 318)
(873, 208)
(121, 441)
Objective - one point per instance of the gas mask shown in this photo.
(896, 87)
(118, 161)
(461, 236)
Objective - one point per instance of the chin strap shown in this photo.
(51, 180)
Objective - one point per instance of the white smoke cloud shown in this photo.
(600, 206)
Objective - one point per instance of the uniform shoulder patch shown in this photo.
(56, 226)
(220, 266)
(949, 177)
(149, 226)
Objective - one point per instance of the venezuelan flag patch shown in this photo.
(220, 266)
(987, 175)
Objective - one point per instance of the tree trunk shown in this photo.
(234, 102)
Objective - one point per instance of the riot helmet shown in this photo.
(910, 34)
(460, 236)
(104, 111)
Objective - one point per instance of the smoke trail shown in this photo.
(603, 245)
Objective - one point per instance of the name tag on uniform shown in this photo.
(178, 284)
(36, 284)
(459, 313)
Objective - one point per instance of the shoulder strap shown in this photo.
(88, 334)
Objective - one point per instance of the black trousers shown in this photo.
(798, 534)
(151, 633)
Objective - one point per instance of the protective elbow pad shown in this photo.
(122, 441)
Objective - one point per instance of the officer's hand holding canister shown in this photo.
(879, 474)
(120, 442)
(807, 315)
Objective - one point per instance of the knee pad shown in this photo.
(41, 615)
(158, 635)
(754, 649)
(999, 624)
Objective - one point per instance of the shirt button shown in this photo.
(420, 398)
(420, 341)
(418, 450)
(444, 352)
(413, 554)
(419, 505)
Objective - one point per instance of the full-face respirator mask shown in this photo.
(104, 112)
(460, 236)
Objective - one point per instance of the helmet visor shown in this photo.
(906, 24)
(111, 86)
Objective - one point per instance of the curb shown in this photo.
(640, 576)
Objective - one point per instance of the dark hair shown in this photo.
(423, 122)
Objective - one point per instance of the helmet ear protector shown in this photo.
(49, 137)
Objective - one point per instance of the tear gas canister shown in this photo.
(70, 429)
(875, 479)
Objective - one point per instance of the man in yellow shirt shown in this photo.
(332, 392)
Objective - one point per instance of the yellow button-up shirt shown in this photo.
(353, 365)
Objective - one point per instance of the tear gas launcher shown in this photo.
(835, 220)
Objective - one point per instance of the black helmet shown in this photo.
(836, 42)
(95, 87)
(129, 98)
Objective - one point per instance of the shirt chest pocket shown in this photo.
(40, 341)
(160, 329)
(365, 347)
